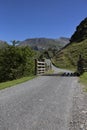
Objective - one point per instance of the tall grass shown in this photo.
(83, 79)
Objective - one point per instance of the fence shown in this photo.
(41, 66)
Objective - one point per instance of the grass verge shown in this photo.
(49, 72)
(14, 82)
(83, 80)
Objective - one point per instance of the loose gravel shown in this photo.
(79, 110)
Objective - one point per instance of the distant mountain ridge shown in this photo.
(63, 40)
(45, 43)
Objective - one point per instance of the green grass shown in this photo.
(14, 82)
(83, 80)
(49, 72)
(68, 57)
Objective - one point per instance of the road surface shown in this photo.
(44, 103)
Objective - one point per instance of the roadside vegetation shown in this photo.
(16, 62)
(49, 72)
(7, 84)
(83, 80)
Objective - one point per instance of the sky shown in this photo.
(24, 19)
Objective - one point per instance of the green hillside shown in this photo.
(81, 32)
(68, 56)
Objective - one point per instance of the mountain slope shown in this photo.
(68, 56)
(81, 32)
(44, 43)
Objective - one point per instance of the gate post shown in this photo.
(80, 65)
(35, 66)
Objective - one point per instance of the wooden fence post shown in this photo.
(35, 66)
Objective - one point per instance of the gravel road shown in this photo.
(44, 103)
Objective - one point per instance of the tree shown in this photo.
(16, 62)
(14, 42)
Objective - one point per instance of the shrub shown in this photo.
(16, 62)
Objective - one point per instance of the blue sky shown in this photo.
(22, 19)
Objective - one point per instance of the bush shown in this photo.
(16, 62)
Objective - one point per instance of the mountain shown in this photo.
(3, 44)
(63, 40)
(45, 43)
(68, 56)
(81, 32)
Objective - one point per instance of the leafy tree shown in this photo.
(14, 42)
(16, 62)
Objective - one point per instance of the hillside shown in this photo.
(68, 56)
(81, 32)
(45, 43)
